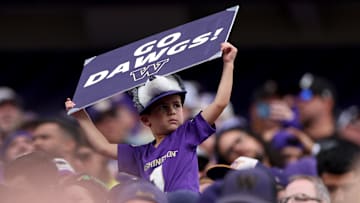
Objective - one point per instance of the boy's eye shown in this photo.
(164, 107)
(169, 107)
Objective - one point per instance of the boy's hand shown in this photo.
(229, 52)
(69, 105)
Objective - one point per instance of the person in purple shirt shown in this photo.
(170, 161)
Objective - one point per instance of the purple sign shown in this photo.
(164, 53)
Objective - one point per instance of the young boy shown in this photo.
(170, 162)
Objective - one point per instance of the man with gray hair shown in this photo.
(306, 189)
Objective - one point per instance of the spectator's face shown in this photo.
(317, 106)
(10, 116)
(20, 145)
(259, 117)
(50, 138)
(116, 127)
(338, 185)
(235, 143)
(301, 186)
(92, 162)
(165, 115)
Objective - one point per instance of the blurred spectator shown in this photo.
(33, 178)
(288, 145)
(64, 168)
(16, 144)
(115, 117)
(205, 182)
(95, 164)
(316, 103)
(349, 124)
(219, 171)
(207, 97)
(233, 141)
(11, 111)
(124, 179)
(335, 165)
(1, 173)
(271, 110)
(275, 117)
(83, 188)
(6, 194)
(59, 138)
(192, 103)
(352, 194)
(304, 166)
(292, 144)
(203, 161)
(211, 193)
(306, 189)
(248, 185)
(226, 117)
(182, 196)
(140, 191)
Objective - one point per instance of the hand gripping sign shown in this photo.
(164, 53)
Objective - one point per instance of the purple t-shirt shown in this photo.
(173, 165)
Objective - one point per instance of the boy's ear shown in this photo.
(145, 120)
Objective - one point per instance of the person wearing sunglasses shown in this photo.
(305, 189)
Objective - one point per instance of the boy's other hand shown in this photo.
(229, 52)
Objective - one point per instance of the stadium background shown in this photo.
(43, 44)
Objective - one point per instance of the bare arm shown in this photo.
(222, 98)
(93, 135)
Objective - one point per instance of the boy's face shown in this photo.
(165, 116)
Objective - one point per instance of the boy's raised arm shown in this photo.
(93, 135)
(222, 98)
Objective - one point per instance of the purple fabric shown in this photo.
(249, 184)
(280, 176)
(283, 139)
(173, 162)
(164, 53)
(304, 166)
(242, 198)
(182, 196)
(212, 193)
(295, 122)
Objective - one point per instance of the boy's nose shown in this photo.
(172, 110)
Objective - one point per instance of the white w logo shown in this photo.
(149, 70)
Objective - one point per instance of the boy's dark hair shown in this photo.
(337, 156)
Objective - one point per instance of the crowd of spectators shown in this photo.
(291, 147)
